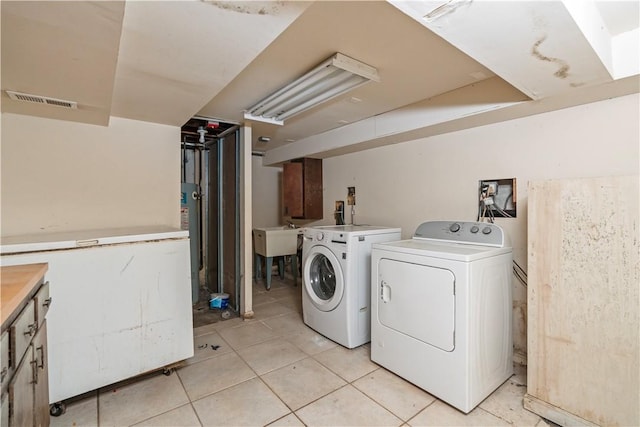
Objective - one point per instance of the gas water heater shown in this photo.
(189, 220)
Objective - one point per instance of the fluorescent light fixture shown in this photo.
(333, 77)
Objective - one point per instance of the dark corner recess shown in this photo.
(198, 128)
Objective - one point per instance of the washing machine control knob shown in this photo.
(319, 236)
(454, 227)
(474, 229)
(486, 230)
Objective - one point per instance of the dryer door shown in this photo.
(417, 300)
(323, 278)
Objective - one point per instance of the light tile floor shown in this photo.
(273, 370)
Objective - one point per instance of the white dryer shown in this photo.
(336, 277)
(442, 308)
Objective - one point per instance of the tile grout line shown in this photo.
(307, 356)
(423, 409)
(382, 405)
(193, 408)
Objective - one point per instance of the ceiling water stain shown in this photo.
(563, 71)
(248, 7)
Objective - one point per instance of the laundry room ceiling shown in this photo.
(443, 65)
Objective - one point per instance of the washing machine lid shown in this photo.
(356, 229)
(444, 250)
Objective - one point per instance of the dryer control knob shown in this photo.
(486, 230)
(454, 227)
(319, 236)
(474, 229)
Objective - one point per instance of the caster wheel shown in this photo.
(167, 371)
(226, 314)
(56, 409)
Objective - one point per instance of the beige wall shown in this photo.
(437, 178)
(266, 194)
(65, 176)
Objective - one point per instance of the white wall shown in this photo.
(437, 178)
(65, 176)
(266, 194)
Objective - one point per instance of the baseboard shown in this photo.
(553, 413)
(520, 358)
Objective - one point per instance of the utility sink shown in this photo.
(276, 241)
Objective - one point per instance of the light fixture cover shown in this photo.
(331, 78)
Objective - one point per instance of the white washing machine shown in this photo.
(441, 310)
(336, 277)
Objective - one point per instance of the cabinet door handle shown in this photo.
(34, 371)
(47, 302)
(41, 351)
(31, 329)
(83, 243)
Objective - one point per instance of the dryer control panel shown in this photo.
(465, 232)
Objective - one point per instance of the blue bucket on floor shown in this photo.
(219, 301)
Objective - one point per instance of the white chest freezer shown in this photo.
(121, 303)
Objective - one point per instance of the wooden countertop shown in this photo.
(16, 283)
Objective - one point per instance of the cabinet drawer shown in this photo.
(41, 386)
(43, 302)
(21, 399)
(22, 331)
(4, 412)
(4, 359)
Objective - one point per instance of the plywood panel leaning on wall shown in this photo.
(583, 322)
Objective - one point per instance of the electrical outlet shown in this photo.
(492, 188)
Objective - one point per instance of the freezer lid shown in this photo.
(85, 238)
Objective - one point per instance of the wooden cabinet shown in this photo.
(41, 377)
(23, 361)
(302, 188)
(583, 334)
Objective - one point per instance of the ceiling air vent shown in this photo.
(37, 99)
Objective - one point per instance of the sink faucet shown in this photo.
(291, 225)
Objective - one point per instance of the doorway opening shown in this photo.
(210, 210)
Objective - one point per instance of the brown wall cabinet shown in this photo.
(302, 188)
